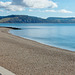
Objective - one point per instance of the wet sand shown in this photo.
(27, 57)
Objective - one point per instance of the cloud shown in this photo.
(1, 11)
(4, 4)
(15, 8)
(35, 3)
(9, 6)
(64, 11)
(58, 11)
(49, 11)
(30, 10)
(19, 5)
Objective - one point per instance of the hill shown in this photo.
(61, 20)
(32, 19)
(21, 19)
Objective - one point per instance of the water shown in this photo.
(57, 35)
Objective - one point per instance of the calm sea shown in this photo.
(57, 35)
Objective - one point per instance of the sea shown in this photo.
(53, 34)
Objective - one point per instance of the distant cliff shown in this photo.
(32, 19)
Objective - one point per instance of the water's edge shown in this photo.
(42, 42)
(56, 35)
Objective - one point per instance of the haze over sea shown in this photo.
(57, 35)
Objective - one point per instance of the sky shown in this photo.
(39, 8)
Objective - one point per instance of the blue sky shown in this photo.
(39, 8)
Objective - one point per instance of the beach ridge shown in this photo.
(27, 57)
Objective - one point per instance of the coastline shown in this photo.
(26, 57)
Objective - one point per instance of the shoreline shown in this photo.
(13, 28)
(45, 44)
(55, 46)
(26, 57)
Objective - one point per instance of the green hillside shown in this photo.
(32, 19)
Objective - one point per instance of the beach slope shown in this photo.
(26, 57)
